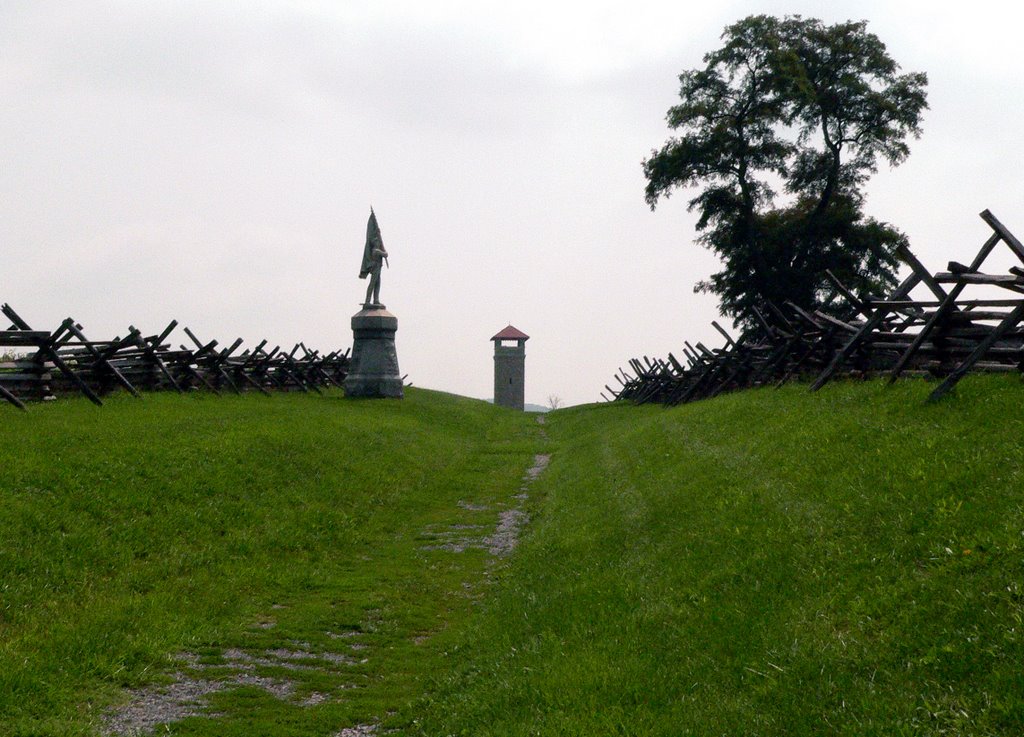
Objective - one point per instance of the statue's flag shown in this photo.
(373, 240)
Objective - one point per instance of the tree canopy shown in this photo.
(780, 129)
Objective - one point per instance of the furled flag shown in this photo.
(373, 240)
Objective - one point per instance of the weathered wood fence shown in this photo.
(62, 362)
(944, 334)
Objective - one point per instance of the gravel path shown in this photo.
(186, 696)
(503, 540)
(148, 708)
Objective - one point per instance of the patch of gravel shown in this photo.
(189, 659)
(147, 708)
(273, 686)
(283, 657)
(511, 521)
(360, 730)
(315, 698)
(236, 655)
(282, 653)
(505, 537)
(540, 462)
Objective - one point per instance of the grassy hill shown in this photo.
(289, 549)
(769, 563)
(766, 563)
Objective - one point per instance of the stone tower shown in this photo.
(510, 368)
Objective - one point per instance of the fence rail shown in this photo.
(45, 364)
(941, 334)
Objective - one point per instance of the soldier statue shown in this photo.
(374, 255)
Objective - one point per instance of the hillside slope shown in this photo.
(849, 562)
(236, 566)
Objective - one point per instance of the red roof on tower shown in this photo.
(511, 333)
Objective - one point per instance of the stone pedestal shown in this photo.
(373, 370)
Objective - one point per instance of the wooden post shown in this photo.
(960, 371)
(870, 324)
(946, 305)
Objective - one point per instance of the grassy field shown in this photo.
(849, 562)
(280, 545)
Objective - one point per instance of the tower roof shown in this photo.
(511, 333)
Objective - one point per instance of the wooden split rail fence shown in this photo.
(943, 333)
(48, 364)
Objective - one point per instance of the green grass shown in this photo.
(849, 562)
(148, 528)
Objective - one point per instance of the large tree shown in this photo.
(781, 129)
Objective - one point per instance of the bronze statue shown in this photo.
(374, 254)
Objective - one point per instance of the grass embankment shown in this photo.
(770, 562)
(278, 541)
(849, 562)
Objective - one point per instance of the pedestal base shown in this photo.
(373, 370)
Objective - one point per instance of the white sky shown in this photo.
(215, 162)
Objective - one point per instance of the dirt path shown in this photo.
(195, 679)
(503, 538)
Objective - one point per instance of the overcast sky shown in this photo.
(215, 163)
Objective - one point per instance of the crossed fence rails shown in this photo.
(64, 361)
(942, 334)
